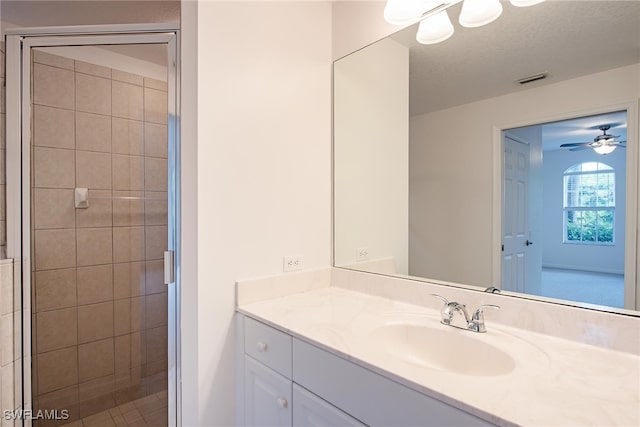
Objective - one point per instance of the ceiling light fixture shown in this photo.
(402, 12)
(604, 148)
(435, 29)
(476, 13)
(435, 25)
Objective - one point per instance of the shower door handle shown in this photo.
(169, 276)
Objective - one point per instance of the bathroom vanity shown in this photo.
(326, 355)
(290, 381)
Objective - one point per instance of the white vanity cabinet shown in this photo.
(267, 396)
(310, 410)
(289, 382)
(267, 376)
(270, 396)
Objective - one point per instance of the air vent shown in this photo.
(532, 78)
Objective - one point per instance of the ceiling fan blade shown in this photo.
(611, 126)
(617, 143)
(584, 147)
(576, 144)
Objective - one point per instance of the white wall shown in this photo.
(371, 144)
(457, 234)
(263, 167)
(601, 258)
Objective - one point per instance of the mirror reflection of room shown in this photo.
(563, 209)
(419, 165)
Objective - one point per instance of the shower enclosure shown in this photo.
(95, 129)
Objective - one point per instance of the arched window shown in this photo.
(589, 203)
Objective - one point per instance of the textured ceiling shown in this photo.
(566, 39)
(27, 13)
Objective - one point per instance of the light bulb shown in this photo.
(604, 149)
(525, 3)
(435, 29)
(476, 13)
(402, 12)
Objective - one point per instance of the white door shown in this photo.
(515, 230)
(267, 396)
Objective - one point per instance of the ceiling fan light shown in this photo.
(402, 12)
(525, 3)
(476, 13)
(435, 29)
(604, 149)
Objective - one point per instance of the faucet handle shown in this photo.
(476, 323)
(479, 313)
(444, 300)
(446, 315)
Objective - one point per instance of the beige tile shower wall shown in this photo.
(3, 152)
(8, 322)
(100, 305)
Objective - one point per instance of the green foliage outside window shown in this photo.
(590, 226)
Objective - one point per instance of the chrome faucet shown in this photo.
(474, 323)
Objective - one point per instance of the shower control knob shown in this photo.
(262, 346)
(282, 402)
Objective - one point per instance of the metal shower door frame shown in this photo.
(19, 43)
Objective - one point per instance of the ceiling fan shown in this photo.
(602, 144)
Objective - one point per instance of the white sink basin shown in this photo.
(443, 348)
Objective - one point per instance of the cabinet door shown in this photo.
(310, 410)
(267, 396)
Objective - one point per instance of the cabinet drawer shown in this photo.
(267, 345)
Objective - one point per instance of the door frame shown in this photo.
(18, 155)
(631, 279)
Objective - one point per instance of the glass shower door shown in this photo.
(100, 222)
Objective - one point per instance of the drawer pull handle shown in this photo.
(262, 346)
(282, 402)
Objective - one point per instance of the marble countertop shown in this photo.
(554, 382)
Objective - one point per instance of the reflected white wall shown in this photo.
(371, 149)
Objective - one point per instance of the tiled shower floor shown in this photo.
(147, 411)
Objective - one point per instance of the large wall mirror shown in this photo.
(480, 161)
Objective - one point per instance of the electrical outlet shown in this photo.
(362, 254)
(292, 263)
